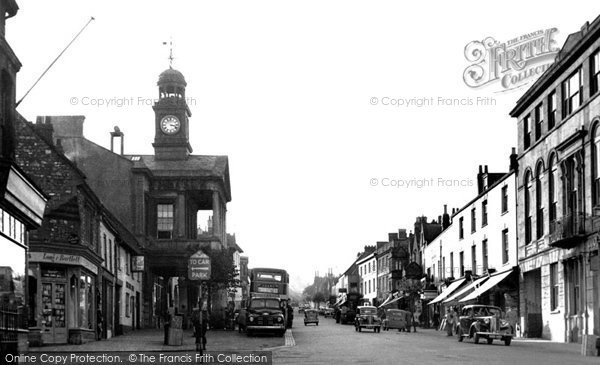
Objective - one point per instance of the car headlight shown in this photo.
(251, 319)
(486, 321)
(279, 319)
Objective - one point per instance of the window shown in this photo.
(165, 220)
(539, 121)
(572, 89)
(553, 286)
(551, 110)
(461, 232)
(594, 72)
(528, 208)
(504, 198)
(110, 255)
(484, 213)
(505, 246)
(552, 191)
(484, 254)
(451, 264)
(443, 267)
(461, 263)
(104, 254)
(473, 220)
(539, 205)
(526, 133)
(596, 166)
(574, 285)
(474, 259)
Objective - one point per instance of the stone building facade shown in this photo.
(558, 121)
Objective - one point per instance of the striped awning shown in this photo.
(449, 290)
(492, 282)
(466, 289)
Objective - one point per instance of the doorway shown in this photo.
(533, 303)
(54, 327)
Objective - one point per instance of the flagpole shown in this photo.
(53, 62)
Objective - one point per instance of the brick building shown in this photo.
(22, 206)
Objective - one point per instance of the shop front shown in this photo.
(64, 297)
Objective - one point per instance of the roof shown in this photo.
(211, 167)
(171, 76)
(431, 231)
(574, 45)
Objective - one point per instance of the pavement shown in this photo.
(152, 340)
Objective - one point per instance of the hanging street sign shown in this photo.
(199, 266)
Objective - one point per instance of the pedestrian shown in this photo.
(415, 321)
(197, 323)
(167, 325)
(204, 328)
(451, 319)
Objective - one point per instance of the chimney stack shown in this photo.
(118, 137)
(514, 164)
(445, 218)
(44, 128)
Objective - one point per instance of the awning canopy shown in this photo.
(390, 302)
(385, 302)
(492, 282)
(449, 290)
(475, 284)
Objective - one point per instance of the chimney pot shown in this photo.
(486, 169)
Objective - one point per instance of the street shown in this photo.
(331, 343)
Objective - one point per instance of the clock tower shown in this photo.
(172, 133)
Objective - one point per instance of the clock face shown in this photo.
(170, 124)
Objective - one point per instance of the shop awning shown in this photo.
(385, 302)
(391, 301)
(492, 282)
(449, 290)
(465, 290)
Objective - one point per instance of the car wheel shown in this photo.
(507, 341)
(459, 333)
(317, 323)
(490, 341)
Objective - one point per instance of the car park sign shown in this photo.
(199, 266)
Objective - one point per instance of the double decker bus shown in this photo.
(268, 282)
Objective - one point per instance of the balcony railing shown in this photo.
(567, 231)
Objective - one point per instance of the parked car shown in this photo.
(367, 318)
(328, 312)
(397, 319)
(483, 321)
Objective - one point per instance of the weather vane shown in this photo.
(170, 52)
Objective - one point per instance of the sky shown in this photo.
(299, 95)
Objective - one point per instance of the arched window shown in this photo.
(539, 205)
(552, 192)
(528, 189)
(596, 166)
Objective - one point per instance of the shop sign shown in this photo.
(63, 259)
(137, 264)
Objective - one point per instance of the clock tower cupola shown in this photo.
(171, 140)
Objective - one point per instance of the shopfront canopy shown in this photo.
(464, 291)
(489, 284)
(449, 290)
(391, 302)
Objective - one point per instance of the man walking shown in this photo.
(450, 321)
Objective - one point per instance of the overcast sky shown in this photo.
(285, 88)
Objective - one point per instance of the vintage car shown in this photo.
(397, 319)
(483, 321)
(311, 316)
(367, 318)
(265, 314)
(328, 312)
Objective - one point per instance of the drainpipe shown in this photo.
(584, 296)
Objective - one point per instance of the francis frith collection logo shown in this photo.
(511, 64)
